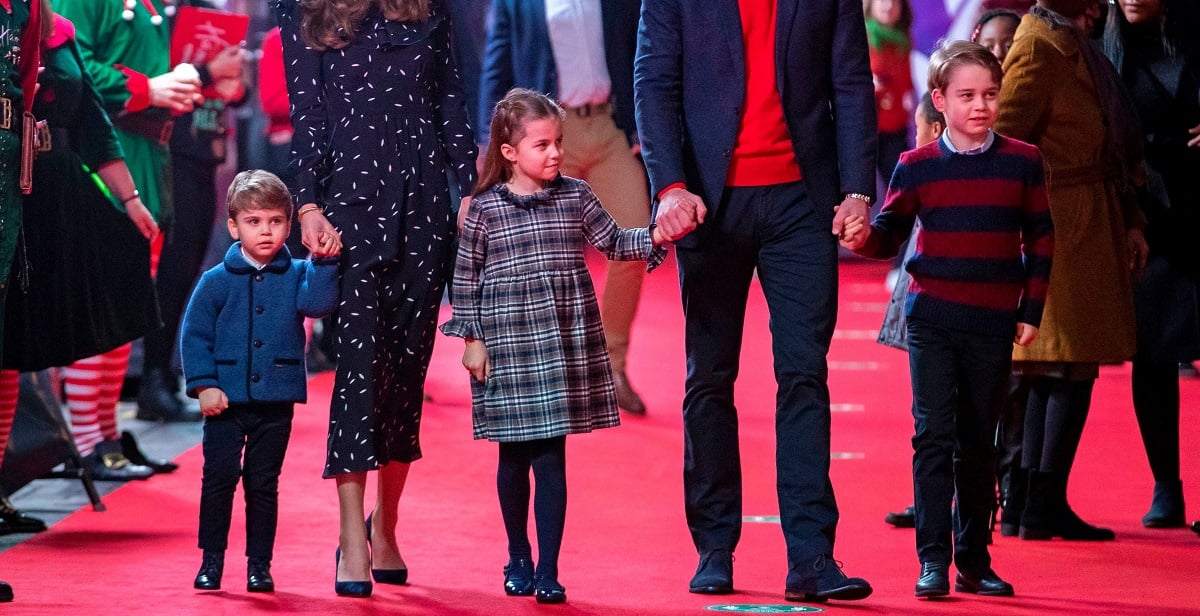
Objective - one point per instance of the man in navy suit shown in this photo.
(756, 117)
(580, 52)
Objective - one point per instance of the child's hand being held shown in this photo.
(213, 401)
(854, 232)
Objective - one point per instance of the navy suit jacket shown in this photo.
(518, 54)
(689, 81)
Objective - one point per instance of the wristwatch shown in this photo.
(860, 197)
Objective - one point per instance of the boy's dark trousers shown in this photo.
(958, 380)
(263, 430)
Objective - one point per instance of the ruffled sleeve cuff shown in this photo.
(656, 258)
(138, 85)
(462, 328)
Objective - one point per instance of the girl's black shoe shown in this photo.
(518, 577)
(550, 591)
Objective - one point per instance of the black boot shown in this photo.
(129, 447)
(6, 593)
(211, 568)
(1012, 501)
(1166, 509)
(1047, 514)
(13, 521)
(157, 400)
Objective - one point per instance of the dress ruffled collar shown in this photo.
(391, 34)
(530, 201)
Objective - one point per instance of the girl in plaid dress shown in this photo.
(524, 303)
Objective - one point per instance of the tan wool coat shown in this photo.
(1049, 99)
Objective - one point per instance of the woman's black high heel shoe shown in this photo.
(348, 589)
(399, 577)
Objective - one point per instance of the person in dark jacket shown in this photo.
(255, 301)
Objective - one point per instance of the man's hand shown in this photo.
(475, 360)
(213, 401)
(854, 232)
(1025, 334)
(1139, 251)
(679, 213)
(850, 207)
(318, 235)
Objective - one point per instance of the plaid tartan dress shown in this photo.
(522, 287)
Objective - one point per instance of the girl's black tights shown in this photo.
(548, 459)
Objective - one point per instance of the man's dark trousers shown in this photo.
(776, 230)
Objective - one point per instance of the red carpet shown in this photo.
(627, 549)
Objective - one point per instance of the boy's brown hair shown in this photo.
(257, 190)
(954, 54)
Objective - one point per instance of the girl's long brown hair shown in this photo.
(511, 113)
(330, 24)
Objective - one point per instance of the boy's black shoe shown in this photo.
(6, 593)
(211, 567)
(934, 580)
(823, 580)
(985, 583)
(258, 576)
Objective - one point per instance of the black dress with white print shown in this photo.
(381, 131)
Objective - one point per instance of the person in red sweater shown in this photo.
(980, 274)
(889, 25)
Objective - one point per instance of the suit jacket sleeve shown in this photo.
(853, 101)
(657, 92)
(496, 75)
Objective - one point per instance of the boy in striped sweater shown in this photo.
(980, 274)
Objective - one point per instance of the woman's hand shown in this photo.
(227, 64)
(318, 235)
(141, 217)
(475, 360)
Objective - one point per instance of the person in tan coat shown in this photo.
(1062, 95)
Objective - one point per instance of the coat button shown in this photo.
(258, 277)
(253, 378)
(258, 310)
(727, 153)
(258, 344)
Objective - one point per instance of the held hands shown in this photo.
(464, 207)
(213, 401)
(1194, 142)
(1139, 251)
(679, 213)
(317, 233)
(178, 90)
(1025, 334)
(475, 360)
(855, 232)
(849, 208)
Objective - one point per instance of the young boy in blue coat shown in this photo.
(242, 342)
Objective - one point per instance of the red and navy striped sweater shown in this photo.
(982, 261)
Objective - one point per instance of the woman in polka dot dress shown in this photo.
(381, 134)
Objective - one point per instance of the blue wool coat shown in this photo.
(243, 331)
